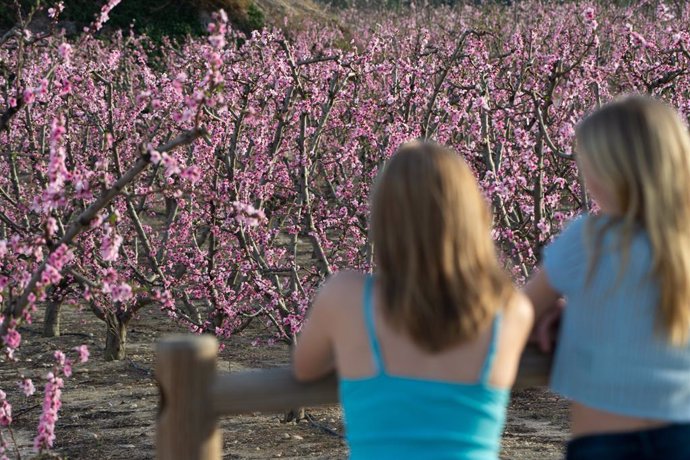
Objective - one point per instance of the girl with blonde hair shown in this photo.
(622, 355)
(427, 348)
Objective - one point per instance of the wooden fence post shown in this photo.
(187, 423)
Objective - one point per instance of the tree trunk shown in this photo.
(297, 414)
(51, 321)
(115, 337)
(294, 415)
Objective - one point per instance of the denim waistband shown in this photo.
(670, 442)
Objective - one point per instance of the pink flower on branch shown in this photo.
(192, 174)
(103, 15)
(12, 339)
(121, 292)
(118, 291)
(110, 244)
(170, 164)
(27, 387)
(589, 16)
(49, 416)
(29, 96)
(246, 214)
(5, 410)
(65, 52)
(83, 353)
(54, 12)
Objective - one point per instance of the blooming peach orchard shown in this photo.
(222, 180)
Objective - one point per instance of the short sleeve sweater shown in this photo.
(610, 356)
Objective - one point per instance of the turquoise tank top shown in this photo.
(394, 417)
(609, 355)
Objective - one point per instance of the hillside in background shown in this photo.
(158, 18)
(178, 18)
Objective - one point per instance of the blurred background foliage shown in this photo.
(155, 18)
(179, 18)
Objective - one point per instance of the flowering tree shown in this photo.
(112, 204)
(223, 180)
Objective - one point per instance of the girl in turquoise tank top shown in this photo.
(623, 356)
(427, 348)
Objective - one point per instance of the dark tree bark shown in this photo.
(115, 337)
(51, 321)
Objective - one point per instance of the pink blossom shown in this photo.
(27, 387)
(67, 368)
(51, 226)
(664, 13)
(65, 51)
(170, 164)
(482, 102)
(59, 357)
(121, 292)
(29, 96)
(83, 352)
(53, 12)
(184, 116)
(246, 214)
(142, 97)
(49, 416)
(217, 41)
(192, 174)
(12, 339)
(57, 169)
(64, 87)
(50, 275)
(61, 256)
(589, 16)
(103, 16)
(5, 410)
(638, 40)
(544, 226)
(154, 155)
(110, 244)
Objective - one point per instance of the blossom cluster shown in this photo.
(250, 221)
(52, 401)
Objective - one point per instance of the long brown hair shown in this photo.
(641, 148)
(436, 262)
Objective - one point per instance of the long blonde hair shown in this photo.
(641, 148)
(436, 262)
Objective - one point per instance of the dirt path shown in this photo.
(109, 408)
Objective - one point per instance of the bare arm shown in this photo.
(540, 292)
(548, 307)
(313, 356)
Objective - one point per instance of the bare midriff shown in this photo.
(587, 421)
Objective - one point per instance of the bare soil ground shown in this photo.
(109, 408)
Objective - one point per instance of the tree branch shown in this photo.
(83, 221)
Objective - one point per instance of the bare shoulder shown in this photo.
(519, 311)
(518, 317)
(339, 290)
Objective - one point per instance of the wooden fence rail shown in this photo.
(193, 395)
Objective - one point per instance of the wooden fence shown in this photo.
(194, 395)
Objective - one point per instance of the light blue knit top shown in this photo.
(610, 356)
(394, 417)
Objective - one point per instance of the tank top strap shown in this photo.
(491, 352)
(368, 301)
